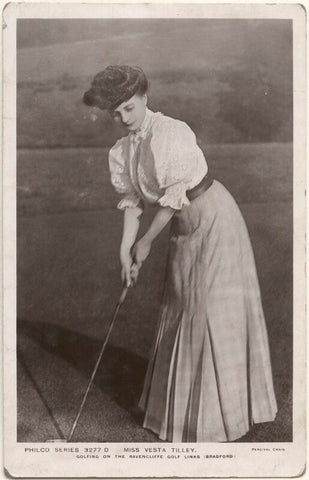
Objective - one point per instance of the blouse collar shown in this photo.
(145, 125)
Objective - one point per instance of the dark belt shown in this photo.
(196, 191)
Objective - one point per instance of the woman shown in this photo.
(209, 375)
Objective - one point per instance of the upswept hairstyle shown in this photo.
(114, 85)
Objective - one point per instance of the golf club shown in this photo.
(119, 303)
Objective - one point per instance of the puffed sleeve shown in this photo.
(120, 178)
(175, 154)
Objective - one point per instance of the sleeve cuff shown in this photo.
(131, 200)
(175, 197)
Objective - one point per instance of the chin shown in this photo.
(125, 127)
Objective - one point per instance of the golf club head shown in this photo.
(66, 440)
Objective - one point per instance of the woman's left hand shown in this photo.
(140, 251)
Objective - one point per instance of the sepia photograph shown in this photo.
(155, 239)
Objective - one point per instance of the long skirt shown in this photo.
(209, 376)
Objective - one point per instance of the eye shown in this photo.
(129, 109)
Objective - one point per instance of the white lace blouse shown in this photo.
(157, 164)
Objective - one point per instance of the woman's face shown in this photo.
(131, 113)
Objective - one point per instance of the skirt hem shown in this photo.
(231, 437)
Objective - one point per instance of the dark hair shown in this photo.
(114, 85)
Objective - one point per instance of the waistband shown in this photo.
(196, 191)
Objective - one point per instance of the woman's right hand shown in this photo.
(126, 264)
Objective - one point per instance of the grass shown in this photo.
(58, 180)
(68, 267)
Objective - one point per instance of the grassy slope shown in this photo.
(218, 76)
(164, 46)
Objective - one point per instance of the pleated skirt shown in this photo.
(209, 375)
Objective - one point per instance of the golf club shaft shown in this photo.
(120, 301)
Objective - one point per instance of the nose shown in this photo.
(125, 118)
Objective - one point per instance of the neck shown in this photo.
(143, 121)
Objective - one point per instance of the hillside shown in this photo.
(231, 80)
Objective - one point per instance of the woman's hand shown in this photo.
(140, 251)
(126, 264)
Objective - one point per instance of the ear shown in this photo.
(145, 98)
